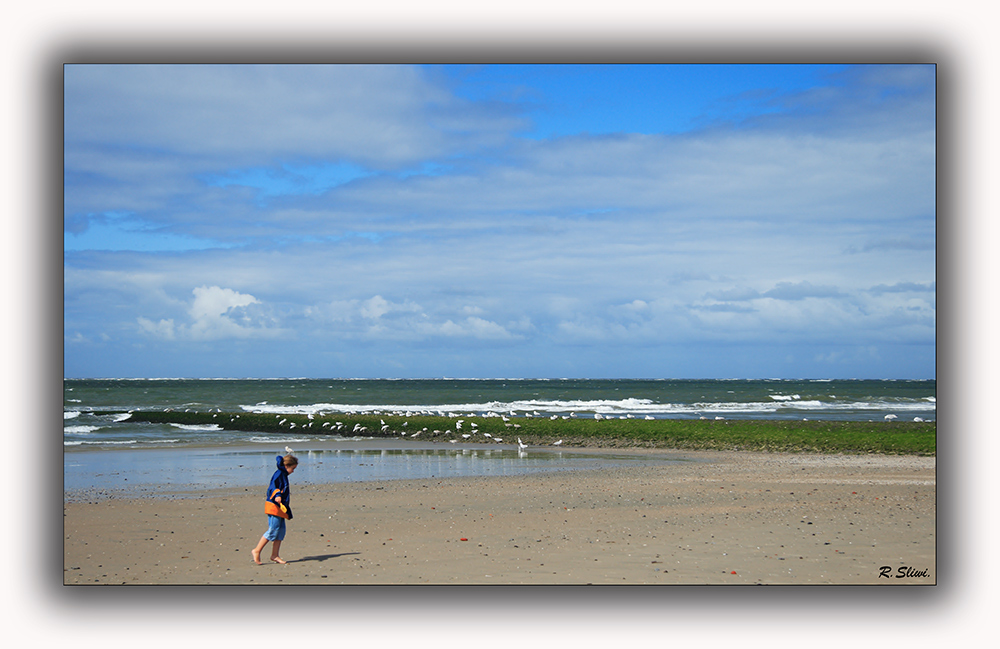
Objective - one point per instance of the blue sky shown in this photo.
(694, 221)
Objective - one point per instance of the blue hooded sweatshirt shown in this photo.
(278, 487)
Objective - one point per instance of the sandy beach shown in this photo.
(725, 518)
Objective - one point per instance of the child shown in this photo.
(277, 507)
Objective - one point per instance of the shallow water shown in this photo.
(178, 471)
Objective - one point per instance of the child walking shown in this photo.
(277, 506)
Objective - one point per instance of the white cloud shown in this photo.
(375, 308)
(216, 313)
(162, 329)
(212, 302)
(485, 329)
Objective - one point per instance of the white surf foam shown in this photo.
(81, 430)
(203, 427)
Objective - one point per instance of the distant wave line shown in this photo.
(602, 406)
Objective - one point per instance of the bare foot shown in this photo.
(278, 560)
(256, 556)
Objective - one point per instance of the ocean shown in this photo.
(105, 452)
(683, 399)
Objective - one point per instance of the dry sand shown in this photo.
(726, 518)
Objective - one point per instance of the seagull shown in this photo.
(890, 417)
(288, 450)
(466, 435)
(487, 435)
(557, 443)
(521, 445)
(497, 439)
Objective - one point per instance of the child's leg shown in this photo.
(274, 553)
(277, 538)
(257, 550)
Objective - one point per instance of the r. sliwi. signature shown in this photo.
(903, 572)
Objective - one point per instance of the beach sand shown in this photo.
(722, 518)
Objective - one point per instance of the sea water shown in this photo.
(83, 399)
(98, 434)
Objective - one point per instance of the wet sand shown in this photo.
(729, 518)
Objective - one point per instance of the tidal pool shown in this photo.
(189, 470)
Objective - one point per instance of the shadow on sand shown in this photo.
(322, 557)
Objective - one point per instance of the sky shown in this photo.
(482, 221)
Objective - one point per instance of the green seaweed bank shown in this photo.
(887, 437)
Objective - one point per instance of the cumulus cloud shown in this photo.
(161, 329)
(216, 313)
